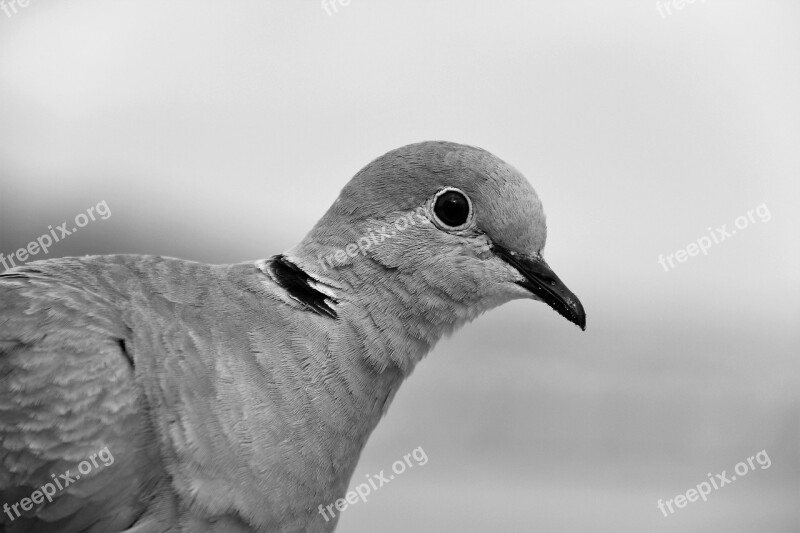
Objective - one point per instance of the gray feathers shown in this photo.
(239, 397)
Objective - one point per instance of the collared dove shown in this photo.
(239, 397)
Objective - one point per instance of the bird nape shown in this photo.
(150, 394)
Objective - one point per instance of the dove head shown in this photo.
(500, 203)
(435, 228)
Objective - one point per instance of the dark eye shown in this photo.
(452, 207)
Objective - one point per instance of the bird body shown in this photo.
(239, 397)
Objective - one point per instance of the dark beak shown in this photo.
(544, 283)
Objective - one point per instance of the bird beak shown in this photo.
(543, 282)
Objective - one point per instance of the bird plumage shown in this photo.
(239, 397)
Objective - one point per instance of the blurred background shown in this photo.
(221, 132)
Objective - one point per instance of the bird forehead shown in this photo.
(510, 213)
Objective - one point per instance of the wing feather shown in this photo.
(68, 402)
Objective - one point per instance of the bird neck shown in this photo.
(390, 316)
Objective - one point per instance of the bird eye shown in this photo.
(452, 207)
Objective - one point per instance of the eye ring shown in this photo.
(452, 208)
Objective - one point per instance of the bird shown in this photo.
(179, 396)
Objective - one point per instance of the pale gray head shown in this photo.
(437, 218)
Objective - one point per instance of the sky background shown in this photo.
(221, 132)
